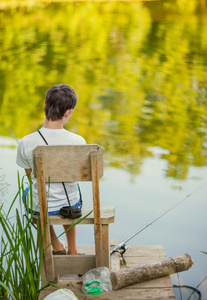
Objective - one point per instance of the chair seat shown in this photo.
(107, 216)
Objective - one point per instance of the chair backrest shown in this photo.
(68, 163)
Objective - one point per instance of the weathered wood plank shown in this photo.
(128, 294)
(86, 249)
(134, 261)
(105, 246)
(107, 217)
(115, 257)
(73, 264)
(73, 281)
(96, 205)
(43, 267)
(146, 250)
(44, 224)
(115, 262)
(144, 294)
(58, 166)
(164, 282)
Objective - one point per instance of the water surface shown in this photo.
(140, 72)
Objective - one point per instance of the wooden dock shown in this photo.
(160, 288)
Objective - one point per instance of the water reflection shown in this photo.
(140, 70)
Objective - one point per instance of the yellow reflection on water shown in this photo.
(139, 68)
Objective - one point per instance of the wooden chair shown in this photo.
(70, 164)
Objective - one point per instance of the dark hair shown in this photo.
(59, 99)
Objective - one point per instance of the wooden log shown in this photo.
(129, 276)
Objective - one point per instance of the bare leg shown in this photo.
(71, 239)
(57, 246)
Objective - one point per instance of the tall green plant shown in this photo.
(20, 262)
(20, 256)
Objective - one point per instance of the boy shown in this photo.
(60, 102)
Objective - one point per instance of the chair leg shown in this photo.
(43, 274)
(43, 269)
(98, 246)
(96, 205)
(105, 246)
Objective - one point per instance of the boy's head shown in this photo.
(59, 99)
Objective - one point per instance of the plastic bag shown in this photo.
(62, 294)
(97, 280)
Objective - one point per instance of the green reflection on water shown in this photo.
(140, 71)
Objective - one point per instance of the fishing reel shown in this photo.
(122, 249)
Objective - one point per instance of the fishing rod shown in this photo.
(12, 133)
(121, 248)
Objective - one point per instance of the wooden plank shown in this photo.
(44, 224)
(115, 262)
(142, 294)
(69, 163)
(87, 250)
(73, 264)
(134, 260)
(107, 217)
(105, 246)
(43, 268)
(113, 243)
(127, 294)
(164, 282)
(146, 250)
(115, 257)
(96, 206)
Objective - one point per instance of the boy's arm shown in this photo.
(22, 159)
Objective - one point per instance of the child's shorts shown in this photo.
(77, 205)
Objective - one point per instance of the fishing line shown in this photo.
(195, 290)
(122, 244)
(177, 286)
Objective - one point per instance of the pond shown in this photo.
(140, 72)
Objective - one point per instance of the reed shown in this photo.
(20, 256)
(20, 260)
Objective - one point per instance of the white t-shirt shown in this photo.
(56, 198)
